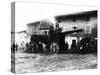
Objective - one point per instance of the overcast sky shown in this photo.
(27, 12)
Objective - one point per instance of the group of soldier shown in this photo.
(85, 45)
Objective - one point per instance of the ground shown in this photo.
(25, 62)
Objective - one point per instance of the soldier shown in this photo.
(31, 48)
(54, 48)
(16, 47)
(85, 45)
(35, 47)
(40, 47)
(73, 46)
(66, 46)
(27, 47)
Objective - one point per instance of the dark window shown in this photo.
(45, 32)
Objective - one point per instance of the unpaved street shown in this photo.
(55, 62)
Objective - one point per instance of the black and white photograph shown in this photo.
(47, 37)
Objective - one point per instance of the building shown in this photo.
(39, 27)
(83, 20)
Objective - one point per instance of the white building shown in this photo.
(83, 20)
(39, 28)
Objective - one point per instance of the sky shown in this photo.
(27, 12)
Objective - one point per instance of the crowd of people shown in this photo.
(85, 45)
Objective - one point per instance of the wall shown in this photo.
(80, 24)
(33, 29)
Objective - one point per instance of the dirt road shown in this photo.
(55, 62)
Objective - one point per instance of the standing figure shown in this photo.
(66, 46)
(40, 47)
(35, 47)
(73, 46)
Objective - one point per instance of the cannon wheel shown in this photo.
(54, 47)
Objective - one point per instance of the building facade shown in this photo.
(87, 21)
(39, 28)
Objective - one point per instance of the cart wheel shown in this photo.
(54, 47)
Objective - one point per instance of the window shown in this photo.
(88, 29)
(46, 33)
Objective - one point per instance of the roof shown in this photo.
(72, 31)
(24, 31)
(33, 23)
(77, 15)
(44, 24)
